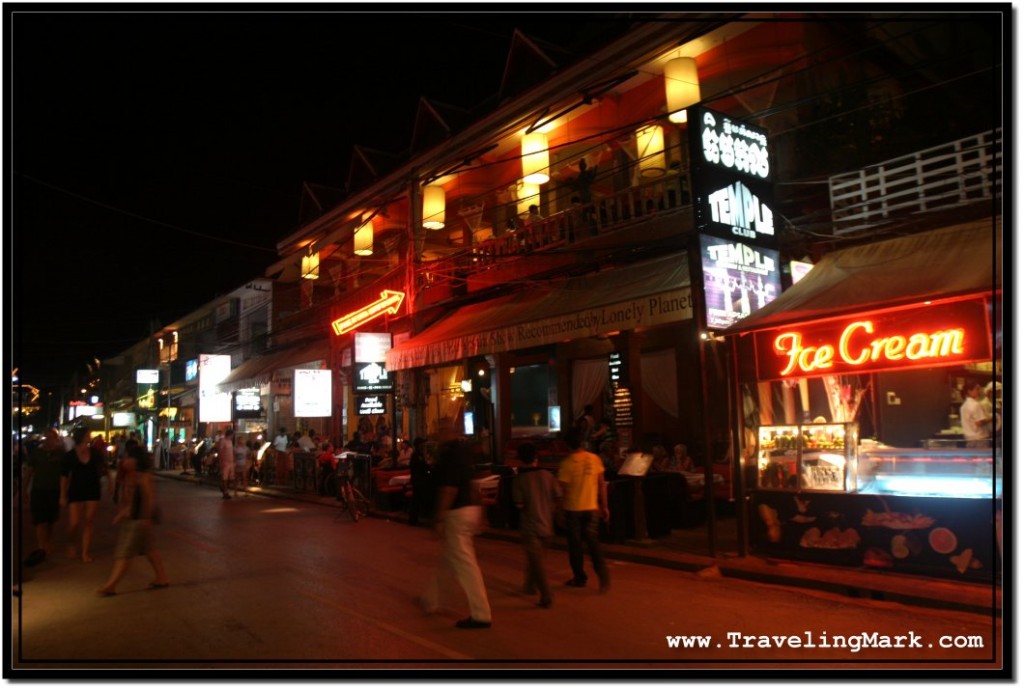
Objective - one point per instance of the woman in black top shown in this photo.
(81, 471)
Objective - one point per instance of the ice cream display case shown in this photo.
(918, 511)
(808, 457)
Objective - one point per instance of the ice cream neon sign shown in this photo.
(390, 301)
(855, 349)
(905, 338)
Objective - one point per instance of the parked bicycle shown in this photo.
(350, 499)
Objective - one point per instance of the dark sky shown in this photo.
(155, 158)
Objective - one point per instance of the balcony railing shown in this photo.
(604, 216)
(955, 174)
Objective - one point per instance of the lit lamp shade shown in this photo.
(311, 266)
(528, 194)
(682, 88)
(433, 207)
(650, 148)
(535, 158)
(363, 239)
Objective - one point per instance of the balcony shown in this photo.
(644, 214)
(941, 178)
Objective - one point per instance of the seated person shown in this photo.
(681, 460)
(404, 454)
(381, 452)
(358, 443)
(660, 464)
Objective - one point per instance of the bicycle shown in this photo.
(348, 495)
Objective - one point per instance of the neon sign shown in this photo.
(852, 351)
(390, 301)
(936, 335)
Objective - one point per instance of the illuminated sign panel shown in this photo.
(371, 405)
(312, 393)
(214, 406)
(738, 279)
(191, 370)
(147, 376)
(390, 301)
(732, 179)
(248, 404)
(369, 372)
(926, 336)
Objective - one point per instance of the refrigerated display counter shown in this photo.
(820, 496)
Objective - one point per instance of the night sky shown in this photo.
(155, 158)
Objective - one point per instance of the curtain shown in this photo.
(658, 374)
(589, 379)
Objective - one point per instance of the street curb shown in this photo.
(856, 583)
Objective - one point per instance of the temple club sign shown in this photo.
(933, 336)
(390, 301)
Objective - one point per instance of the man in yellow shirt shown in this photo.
(585, 502)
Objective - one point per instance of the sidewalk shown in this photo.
(869, 583)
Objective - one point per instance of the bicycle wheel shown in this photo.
(360, 504)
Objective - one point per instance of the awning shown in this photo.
(644, 294)
(258, 371)
(959, 261)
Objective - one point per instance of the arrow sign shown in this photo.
(390, 301)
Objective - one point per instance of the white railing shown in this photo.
(946, 176)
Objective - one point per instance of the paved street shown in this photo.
(270, 583)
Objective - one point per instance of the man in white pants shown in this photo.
(458, 521)
(226, 457)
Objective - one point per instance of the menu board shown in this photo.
(623, 405)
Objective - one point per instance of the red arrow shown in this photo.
(390, 301)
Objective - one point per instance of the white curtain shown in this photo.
(658, 373)
(589, 379)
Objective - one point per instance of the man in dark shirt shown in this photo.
(457, 520)
(44, 499)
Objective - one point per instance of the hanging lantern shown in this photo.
(363, 239)
(650, 147)
(433, 207)
(535, 158)
(682, 88)
(311, 266)
(527, 194)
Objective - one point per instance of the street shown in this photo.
(264, 583)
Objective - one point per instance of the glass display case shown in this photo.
(818, 456)
(933, 472)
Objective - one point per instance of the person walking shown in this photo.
(82, 468)
(457, 520)
(137, 513)
(42, 480)
(226, 457)
(537, 494)
(584, 502)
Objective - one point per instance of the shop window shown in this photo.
(531, 387)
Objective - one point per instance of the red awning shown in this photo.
(959, 261)
(645, 294)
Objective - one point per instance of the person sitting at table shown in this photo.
(681, 461)
(661, 459)
(381, 451)
(404, 454)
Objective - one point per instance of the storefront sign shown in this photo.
(654, 310)
(738, 279)
(312, 393)
(616, 370)
(248, 403)
(732, 179)
(214, 406)
(369, 374)
(191, 370)
(929, 336)
(390, 301)
(371, 405)
(147, 376)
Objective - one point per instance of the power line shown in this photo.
(140, 217)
